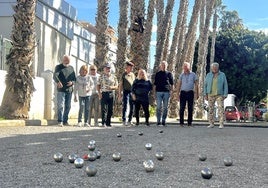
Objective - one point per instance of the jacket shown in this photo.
(222, 88)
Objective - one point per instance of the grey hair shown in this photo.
(215, 64)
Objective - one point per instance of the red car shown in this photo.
(232, 113)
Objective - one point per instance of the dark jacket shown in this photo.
(163, 81)
(141, 89)
(64, 75)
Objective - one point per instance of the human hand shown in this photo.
(69, 83)
(59, 85)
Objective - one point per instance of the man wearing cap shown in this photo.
(106, 86)
(125, 85)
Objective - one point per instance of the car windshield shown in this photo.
(230, 109)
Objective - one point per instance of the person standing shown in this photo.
(125, 85)
(94, 99)
(163, 86)
(188, 88)
(83, 87)
(140, 91)
(64, 76)
(215, 89)
(106, 86)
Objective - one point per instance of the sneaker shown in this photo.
(60, 124)
(210, 126)
(221, 126)
(137, 123)
(164, 123)
(130, 123)
(158, 124)
(190, 125)
(125, 123)
(181, 125)
(79, 124)
(86, 125)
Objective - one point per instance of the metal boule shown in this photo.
(58, 157)
(161, 131)
(228, 161)
(148, 146)
(92, 142)
(79, 162)
(98, 154)
(92, 156)
(72, 157)
(148, 165)
(91, 170)
(202, 157)
(206, 173)
(140, 133)
(159, 155)
(119, 135)
(117, 156)
(91, 147)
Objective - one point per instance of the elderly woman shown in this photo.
(215, 89)
(140, 90)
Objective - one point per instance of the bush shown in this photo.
(152, 110)
(266, 116)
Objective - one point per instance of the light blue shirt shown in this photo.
(187, 81)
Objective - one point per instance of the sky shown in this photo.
(253, 13)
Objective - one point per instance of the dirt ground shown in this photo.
(27, 156)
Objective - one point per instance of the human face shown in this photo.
(83, 73)
(163, 66)
(186, 67)
(107, 70)
(93, 71)
(215, 69)
(66, 61)
(129, 68)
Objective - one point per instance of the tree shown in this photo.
(242, 55)
(231, 20)
(19, 80)
(102, 45)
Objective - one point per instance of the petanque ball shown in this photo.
(148, 146)
(117, 156)
(91, 147)
(202, 157)
(58, 157)
(228, 161)
(206, 173)
(98, 154)
(91, 170)
(79, 163)
(92, 156)
(148, 165)
(72, 157)
(159, 155)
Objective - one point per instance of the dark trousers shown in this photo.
(107, 101)
(189, 98)
(127, 100)
(145, 107)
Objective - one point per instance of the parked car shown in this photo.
(232, 113)
(245, 115)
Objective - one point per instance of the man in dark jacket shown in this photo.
(64, 76)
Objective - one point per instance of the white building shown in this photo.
(57, 33)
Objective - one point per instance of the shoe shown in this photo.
(221, 126)
(181, 125)
(79, 124)
(86, 125)
(210, 126)
(60, 124)
(164, 123)
(96, 125)
(129, 123)
(137, 123)
(66, 124)
(147, 123)
(158, 124)
(125, 123)
(190, 125)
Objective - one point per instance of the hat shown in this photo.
(130, 63)
(107, 65)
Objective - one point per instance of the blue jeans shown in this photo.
(127, 100)
(162, 99)
(83, 107)
(64, 105)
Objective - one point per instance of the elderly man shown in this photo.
(106, 86)
(163, 86)
(215, 89)
(65, 78)
(188, 87)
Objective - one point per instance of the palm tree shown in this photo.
(163, 34)
(102, 46)
(202, 49)
(136, 44)
(19, 80)
(175, 47)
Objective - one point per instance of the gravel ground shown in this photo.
(27, 156)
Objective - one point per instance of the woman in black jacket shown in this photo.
(140, 92)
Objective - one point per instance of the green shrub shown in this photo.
(152, 110)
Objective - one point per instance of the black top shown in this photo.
(141, 89)
(64, 75)
(163, 81)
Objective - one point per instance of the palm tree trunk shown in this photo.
(102, 46)
(19, 81)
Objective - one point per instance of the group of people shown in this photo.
(91, 89)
